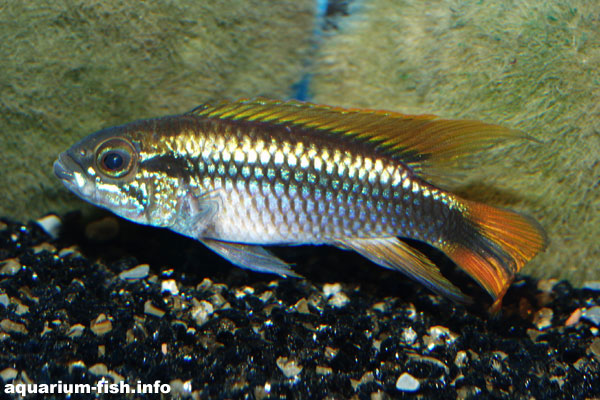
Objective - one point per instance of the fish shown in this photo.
(241, 175)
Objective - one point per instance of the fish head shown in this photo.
(105, 169)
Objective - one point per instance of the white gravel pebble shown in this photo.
(51, 224)
(409, 335)
(8, 374)
(4, 300)
(170, 286)
(330, 289)
(407, 383)
(202, 311)
(592, 314)
(10, 266)
(338, 300)
(592, 285)
(98, 369)
(151, 309)
(333, 292)
(289, 367)
(135, 273)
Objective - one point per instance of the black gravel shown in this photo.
(349, 330)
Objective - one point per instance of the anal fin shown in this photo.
(394, 254)
(246, 256)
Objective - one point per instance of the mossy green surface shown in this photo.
(70, 68)
(533, 65)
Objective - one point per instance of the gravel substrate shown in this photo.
(81, 302)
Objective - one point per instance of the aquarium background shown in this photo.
(71, 68)
(87, 297)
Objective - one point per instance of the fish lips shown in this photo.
(71, 173)
(74, 177)
(65, 168)
(61, 170)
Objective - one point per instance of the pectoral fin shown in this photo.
(251, 257)
(196, 213)
(394, 254)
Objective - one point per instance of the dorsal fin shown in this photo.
(423, 142)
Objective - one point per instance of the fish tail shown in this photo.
(494, 245)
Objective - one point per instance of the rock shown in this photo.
(151, 309)
(201, 311)
(543, 318)
(574, 317)
(329, 289)
(595, 348)
(13, 327)
(101, 325)
(289, 367)
(99, 369)
(438, 335)
(4, 300)
(409, 336)
(334, 295)
(51, 224)
(169, 286)
(592, 314)
(8, 374)
(135, 273)
(76, 331)
(10, 266)
(591, 285)
(44, 247)
(407, 383)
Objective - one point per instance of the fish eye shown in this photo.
(115, 158)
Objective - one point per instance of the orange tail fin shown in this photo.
(501, 243)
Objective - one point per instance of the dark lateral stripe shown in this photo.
(177, 167)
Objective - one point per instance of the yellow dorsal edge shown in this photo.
(421, 141)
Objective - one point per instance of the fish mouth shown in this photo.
(70, 172)
(64, 168)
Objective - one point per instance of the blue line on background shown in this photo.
(301, 88)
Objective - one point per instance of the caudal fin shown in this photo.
(497, 245)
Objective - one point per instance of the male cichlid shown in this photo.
(240, 175)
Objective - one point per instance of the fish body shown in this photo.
(240, 175)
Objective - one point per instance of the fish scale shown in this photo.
(239, 175)
(275, 172)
